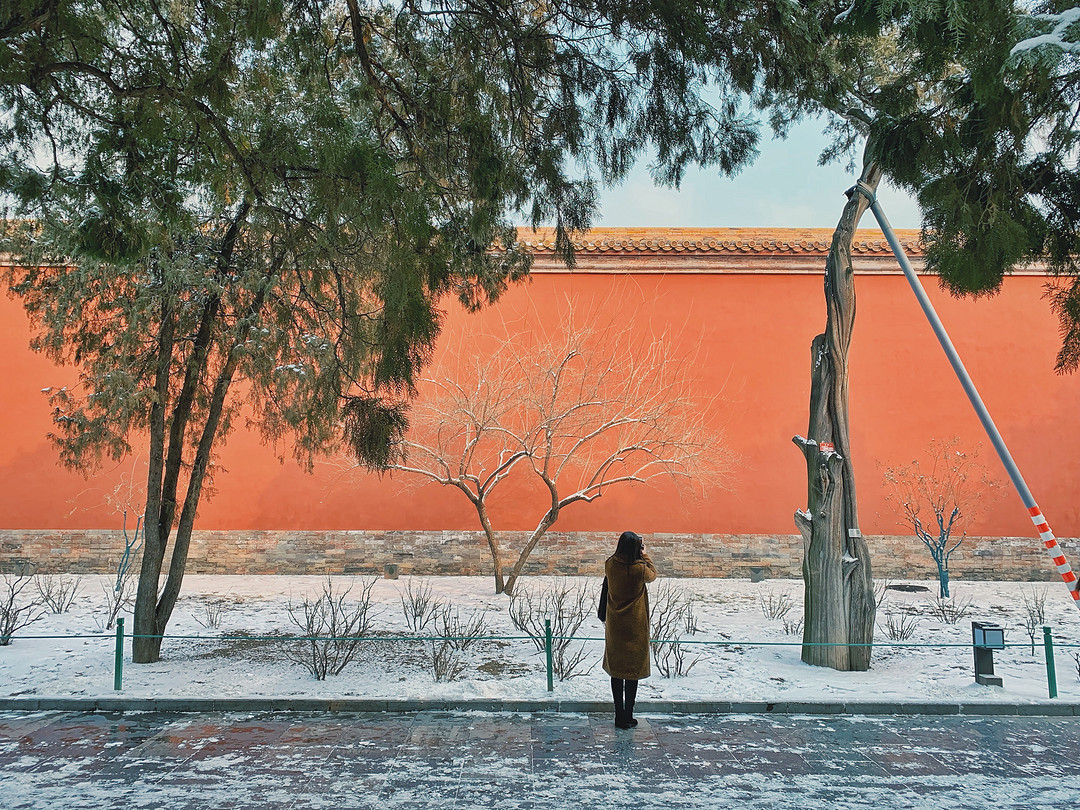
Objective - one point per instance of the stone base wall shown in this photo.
(466, 553)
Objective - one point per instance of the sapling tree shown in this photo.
(937, 496)
(1034, 612)
(576, 411)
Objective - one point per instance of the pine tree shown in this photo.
(224, 204)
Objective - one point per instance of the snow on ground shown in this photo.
(728, 610)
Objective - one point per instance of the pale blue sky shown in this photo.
(784, 187)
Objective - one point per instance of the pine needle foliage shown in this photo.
(226, 207)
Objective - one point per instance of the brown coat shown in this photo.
(626, 629)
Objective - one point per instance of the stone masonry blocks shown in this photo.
(465, 553)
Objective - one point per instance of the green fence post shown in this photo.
(1051, 676)
(118, 665)
(547, 650)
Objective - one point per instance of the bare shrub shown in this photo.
(1034, 612)
(334, 628)
(419, 605)
(566, 606)
(949, 609)
(16, 609)
(1076, 661)
(793, 626)
(57, 591)
(213, 611)
(670, 606)
(671, 658)
(775, 606)
(446, 660)
(461, 633)
(445, 655)
(881, 590)
(899, 625)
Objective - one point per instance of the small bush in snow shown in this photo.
(775, 606)
(445, 655)
(567, 606)
(670, 606)
(949, 610)
(899, 625)
(334, 627)
(213, 611)
(57, 591)
(793, 626)
(446, 660)
(17, 610)
(461, 633)
(418, 604)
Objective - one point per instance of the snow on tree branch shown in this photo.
(1058, 37)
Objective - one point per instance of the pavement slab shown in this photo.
(436, 759)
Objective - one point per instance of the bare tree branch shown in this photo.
(950, 484)
(580, 410)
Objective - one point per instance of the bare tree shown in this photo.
(577, 412)
(17, 611)
(937, 498)
(839, 606)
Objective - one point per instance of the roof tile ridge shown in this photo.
(745, 240)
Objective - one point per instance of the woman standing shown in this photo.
(626, 626)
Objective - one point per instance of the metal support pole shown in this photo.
(118, 661)
(1051, 675)
(550, 658)
(1056, 554)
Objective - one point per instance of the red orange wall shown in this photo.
(755, 332)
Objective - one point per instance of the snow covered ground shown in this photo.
(725, 610)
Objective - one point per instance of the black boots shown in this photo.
(629, 696)
(624, 694)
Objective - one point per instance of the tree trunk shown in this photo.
(515, 573)
(144, 648)
(839, 589)
(493, 543)
(153, 609)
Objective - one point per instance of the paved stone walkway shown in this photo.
(550, 761)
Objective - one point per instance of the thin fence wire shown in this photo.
(715, 643)
(119, 638)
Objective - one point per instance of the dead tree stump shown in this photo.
(839, 605)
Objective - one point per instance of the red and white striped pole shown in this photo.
(1056, 554)
(1049, 541)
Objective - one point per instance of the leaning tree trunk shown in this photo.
(492, 539)
(515, 573)
(839, 591)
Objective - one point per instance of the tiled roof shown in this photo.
(813, 241)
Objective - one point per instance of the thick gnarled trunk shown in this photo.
(839, 600)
